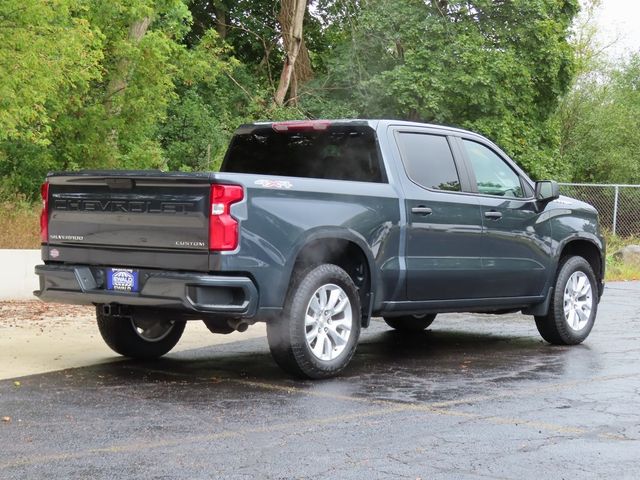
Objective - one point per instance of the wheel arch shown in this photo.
(580, 244)
(589, 247)
(346, 249)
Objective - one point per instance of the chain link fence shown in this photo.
(618, 205)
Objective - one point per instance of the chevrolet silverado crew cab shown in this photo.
(314, 227)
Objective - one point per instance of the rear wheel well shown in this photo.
(346, 255)
(586, 250)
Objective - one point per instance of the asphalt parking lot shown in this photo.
(475, 396)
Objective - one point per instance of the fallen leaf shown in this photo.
(6, 419)
(16, 383)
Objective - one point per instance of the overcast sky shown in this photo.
(620, 19)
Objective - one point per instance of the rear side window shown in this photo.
(337, 153)
(428, 161)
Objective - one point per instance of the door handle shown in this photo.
(421, 210)
(493, 215)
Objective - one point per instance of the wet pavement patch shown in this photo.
(475, 396)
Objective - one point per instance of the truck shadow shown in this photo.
(435, 365)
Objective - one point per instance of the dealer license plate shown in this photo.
(122, 279)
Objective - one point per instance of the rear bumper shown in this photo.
(189, 292)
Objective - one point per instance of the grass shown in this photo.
(19, 225)
(20, 228)
(616, 270)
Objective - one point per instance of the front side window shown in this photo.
(428, 161)
(493, 175)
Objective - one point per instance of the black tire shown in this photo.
(555, 326)
(287, 336)
(411, 323)
(120, 334)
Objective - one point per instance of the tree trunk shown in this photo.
(118, 82)
(293, 89)
(443, 5)
(292, 16)
(221, 22)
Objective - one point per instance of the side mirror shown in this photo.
(547, 190)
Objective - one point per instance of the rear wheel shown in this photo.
(318, 333)
(574, 304)
(411, 323)
(141, 334)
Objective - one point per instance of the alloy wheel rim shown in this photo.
(578, 301)
(328, 322)
(152, 330)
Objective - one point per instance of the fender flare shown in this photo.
(333, 233)
(543, 307)
(584, 237)
(581, 236)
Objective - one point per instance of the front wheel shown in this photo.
(410, 323)
(318, 333)
(574, 304)
(141, 334)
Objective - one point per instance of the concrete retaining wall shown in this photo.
(17, 280)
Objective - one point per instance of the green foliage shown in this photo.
(193, 138)
(601, 125)
(497, 67)
(125, 84)
(114, 124)
(47, 52)
(617, 270)
(164, 83)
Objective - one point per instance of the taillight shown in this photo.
(44, 214)
(301, 125)
(223, 228)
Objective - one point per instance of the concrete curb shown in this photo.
(17, 280)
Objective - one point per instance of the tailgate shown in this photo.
(117, 215)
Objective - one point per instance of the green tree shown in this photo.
(109, 117)
(49, 56)
(115, 124)
(598, 117)
(163, 83)
(600, 121)
(498, 67)
(47, 52)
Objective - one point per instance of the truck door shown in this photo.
(444, 226)
(516, 260)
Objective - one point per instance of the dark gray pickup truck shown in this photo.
(314, 227)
